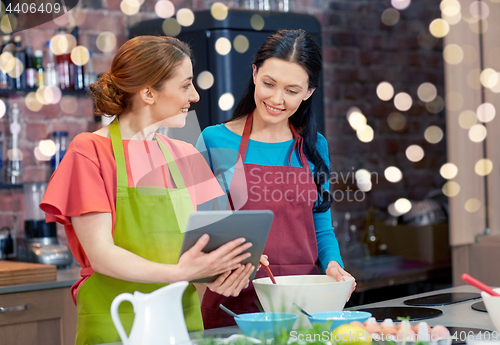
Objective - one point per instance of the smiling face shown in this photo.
(280, 88)
(173, 100)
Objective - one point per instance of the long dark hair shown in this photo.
(299, 47)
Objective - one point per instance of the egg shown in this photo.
(439, 331)
(388, 330)
(357, 323)
(373, 328)
(387, 323)
(407, 333)
(371, 320)
(420, 324)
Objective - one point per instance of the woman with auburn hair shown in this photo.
(123, 193)
(282, 164)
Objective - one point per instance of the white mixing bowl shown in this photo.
(492, 304)
(313, 293)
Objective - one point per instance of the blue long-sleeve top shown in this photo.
(219, 146)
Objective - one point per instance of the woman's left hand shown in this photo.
(264, 261)
(336, 271)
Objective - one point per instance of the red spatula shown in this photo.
(481, 286)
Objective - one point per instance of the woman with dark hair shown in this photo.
(282, 164)
(123, 193)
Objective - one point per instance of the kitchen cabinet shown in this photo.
(46, 317)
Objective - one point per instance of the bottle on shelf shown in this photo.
(60, 139)
(31, 77)
(19, 65)
(78, 70)
(65, 67)
(6, 81)
(14, 173)
(90, 76)
(51, 77)
(40, 73)
(371, 239)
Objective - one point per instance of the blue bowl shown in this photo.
(338, 318)
(268, 325)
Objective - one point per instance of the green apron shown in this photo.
(148, 223)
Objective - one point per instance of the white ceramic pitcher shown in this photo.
(159, 318)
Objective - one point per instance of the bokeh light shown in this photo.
(479, 29)
(452, 20)
(439, 28)
(486, 112)
(219, 11)
(80, 55)
(52, 94)
(433, 134)
(40, 95)
(385, 91)
(39, 155)
(205, 80)
(185, 17)
(363, 180)
(450, 7)
(414, 153)
(483, 167)
(226, 101)
(32, 102)
(488, 77)
(390, 17)
(402, 205)
(164, 9)
(453, 54)
(130, 7)
(427, 92)
(479, 10)
(257, 22)
(435, 106)
(396, 121)
(8, 23)
(356, 119)
(472, 205)
(477, 133)
(3, 108)
(106, 41)
(69, 104)
(467, 119)
(393, 174)
(451, 189)
(241, 43)
(17, 70)
(365, 133)
(15, 155)
(223, 46)
(403, 101)
(400, 4)
(448, 171)
(47, 147)
(171, 27)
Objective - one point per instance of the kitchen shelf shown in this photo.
(11, 186)
(24, 92)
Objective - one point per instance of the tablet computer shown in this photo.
(225, 226)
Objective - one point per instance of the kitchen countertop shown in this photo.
(454, 315)
(65, 278)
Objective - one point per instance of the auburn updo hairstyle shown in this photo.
(143, 61)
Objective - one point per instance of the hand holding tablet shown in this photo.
(224, 227)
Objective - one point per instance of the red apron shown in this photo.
(290, 192)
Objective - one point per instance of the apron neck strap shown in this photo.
(116, 140)
(299, 142)
(174, 170)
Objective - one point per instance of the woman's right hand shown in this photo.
(195, 264)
